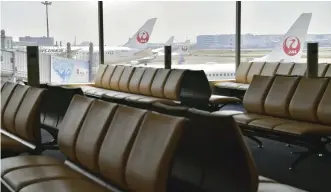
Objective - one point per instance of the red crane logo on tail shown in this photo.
(291, 46)
(143, 37)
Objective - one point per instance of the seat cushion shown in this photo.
(13, 163)
(19, 178)
(223, 84)
(58, 185)
(268, 122)
(220, 99)
(243, 87)
(8, 144)
(110, 93)
(87, 88)
(90, 90)
(234, 85)
(228, 112)
(151, 100)
(107, 92)
(246, 118)
(123, 95)
(302, 128)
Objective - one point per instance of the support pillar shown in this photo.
(312, 60)
(33, 66)
(238, 32)
(167, 57)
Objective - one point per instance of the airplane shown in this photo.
(289, 49)
(146, 60)
(135, 48)
(182, 50)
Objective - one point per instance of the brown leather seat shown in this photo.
(101, 138)
(269, 68)
(254, 100)
(291, 109)
(299, 69)
(97, 81)
(276, 102)
(288, 104)
(328, 71)
(241, 77)
(303, 109)
(322, 68)
(284, 69)
(20, 118)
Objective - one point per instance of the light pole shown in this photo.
(47, 3)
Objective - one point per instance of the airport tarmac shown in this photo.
(220, 60)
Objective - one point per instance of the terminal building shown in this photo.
(43, 41)
(251, 41)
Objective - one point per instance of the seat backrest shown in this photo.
(159, 81)
(125, 78)
(324, 107)
(71, 124)
(158, 135)
(256, 93)
(279, 95)
(6, 93)
(242, 71)
(255, 69)
(99, 75)
(146, 81)
(117, 143)
(115, 79)
(212, 156)
(172, 86)
(284, 69)
(322, 67)
(269, 68)
(107, 76)
(299, 69)
(328, 71)
(136, 79)
(306, 98)
(92, 132)
(12, 107)
(27, 120)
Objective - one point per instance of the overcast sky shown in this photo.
(183, 19)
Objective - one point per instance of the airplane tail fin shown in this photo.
(291, 45)
(184, 48)
(170, 41)
(142, 36)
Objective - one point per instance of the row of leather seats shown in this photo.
(145, 86)
(294, 108)
(246, 71)
(20, 118)
(111, 147)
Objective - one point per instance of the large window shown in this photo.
(25, 23)
(279, 31)
(203, 32)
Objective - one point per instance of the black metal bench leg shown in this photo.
(320, 151)
(303, 155)
(260, 144)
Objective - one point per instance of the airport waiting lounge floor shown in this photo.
(313, 174)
